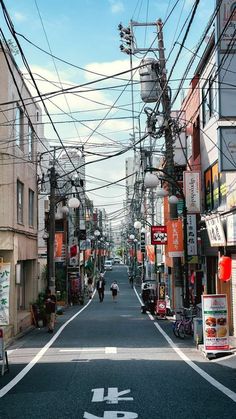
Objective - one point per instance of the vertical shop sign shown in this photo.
(192, 191)
(227, 26)
(215, 322)
(4, 293)
(175, 238)
(192, 235)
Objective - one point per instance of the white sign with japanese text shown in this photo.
(192, 234)
(4, 293)
(231, 229)
(215, 231)
(227, 26)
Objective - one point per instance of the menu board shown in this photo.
(215, 322)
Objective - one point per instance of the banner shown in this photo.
(175, 238)
(4, 293)
(215, 322)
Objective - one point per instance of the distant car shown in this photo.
(108, 265)
(116, 260)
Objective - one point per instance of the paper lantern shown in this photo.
(224, 268)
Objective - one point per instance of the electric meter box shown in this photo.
(150, 86)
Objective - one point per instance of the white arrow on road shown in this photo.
(112, 415)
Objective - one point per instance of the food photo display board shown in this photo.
(215, 323)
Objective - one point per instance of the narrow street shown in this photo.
(108, 360)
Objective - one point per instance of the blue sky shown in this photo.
(84, 32)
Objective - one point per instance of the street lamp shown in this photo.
(96, 234)
(72, 203)
(151, 181)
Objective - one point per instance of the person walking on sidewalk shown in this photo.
(50, 309)
(101, 288)
(114, 290)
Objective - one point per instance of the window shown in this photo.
(19, 127)
(31, 208)
(20, 200)
(30, 141)
(207, 100)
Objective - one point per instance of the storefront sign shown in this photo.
(227, 26)
(215, 231)
(161, 307)
(191, 234)
(227, 148)
(158, 235)
(231, 229)
(192, 191)
(215, 322)
(175, 238)
(4, 293)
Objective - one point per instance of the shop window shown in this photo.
(20, 201)
(215, 188)
(31, 208)
(30, 141)
(207, 100)
(19, 127)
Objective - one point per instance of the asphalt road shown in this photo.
(111, 361)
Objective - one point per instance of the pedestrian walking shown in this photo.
(114, 290)
(90, 287)
(50, 309)
(101, 288)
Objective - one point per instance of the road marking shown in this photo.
(112, 415)
(229, 393)
(83, 350)
(110, 350)
(113, 395)
(39, 355)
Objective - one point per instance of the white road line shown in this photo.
(83, 350)
(39, 355)
(229, 393)
(110, 350)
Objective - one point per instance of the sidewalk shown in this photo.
(227, 359)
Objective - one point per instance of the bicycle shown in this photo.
(177, 322)
(185, 326)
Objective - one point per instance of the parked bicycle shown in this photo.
(183, 326)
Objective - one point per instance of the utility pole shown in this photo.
(51, 240)
(169, 164)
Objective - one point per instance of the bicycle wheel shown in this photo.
(181, 330)
(175, 328)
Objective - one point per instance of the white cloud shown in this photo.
(19, 17)
(116, 6)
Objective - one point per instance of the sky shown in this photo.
(98, 115)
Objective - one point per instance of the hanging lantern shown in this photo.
(224, 268)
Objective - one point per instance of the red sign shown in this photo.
(161, 307)
(158, 234)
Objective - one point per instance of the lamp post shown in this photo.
(72, 203)
(151, 181)
(96, 259)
